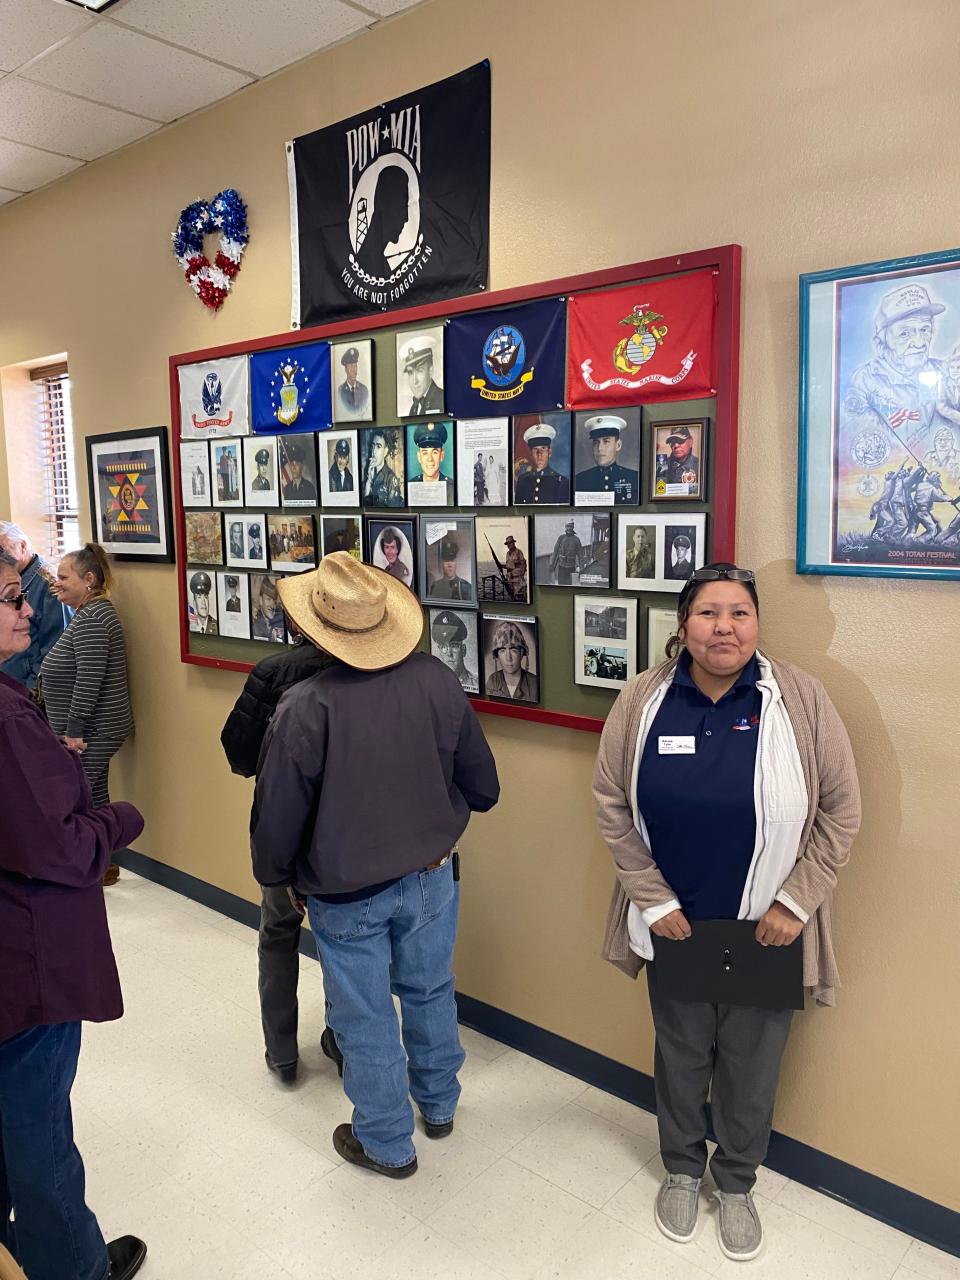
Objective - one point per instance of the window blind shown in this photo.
(54, 432)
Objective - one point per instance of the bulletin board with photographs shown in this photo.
(546, 531)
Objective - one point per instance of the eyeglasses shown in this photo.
(16, 601)
(714, 575)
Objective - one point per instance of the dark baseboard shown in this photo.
(933, 1223)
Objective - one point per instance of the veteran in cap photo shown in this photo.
(339, 475)
(300, 487)
(418, 363)
(232, 583)
(254, 542)
(203, 618)
(261, 481)
(449, 585)
(448, 642)
(353, 396)
(543, 484)
(681, 465)
(605, 433)
(430, 441)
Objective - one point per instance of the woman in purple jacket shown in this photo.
(57, 970)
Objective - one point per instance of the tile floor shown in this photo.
(189, 1142)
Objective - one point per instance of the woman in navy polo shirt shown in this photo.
(725, 788)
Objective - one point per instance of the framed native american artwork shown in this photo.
(879, 474)
(130, 494)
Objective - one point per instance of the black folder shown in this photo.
(722, 963)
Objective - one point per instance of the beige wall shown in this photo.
(816, 134)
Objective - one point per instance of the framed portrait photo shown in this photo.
(572, 549)
(661, 626)
(448, 566)
(430, 464)
(511, 658)
(381, 467)
(204, 537)
(420, 372)
(503, 559)
(341, 533)
(541, 459)
(195, 474)
(606, 459)
(292, 540)
(339, 469)
(267, 621)
(298, 470)
(130, 494)
(246, 541)
(352, 367)
(604, 641)
(659, 552)
(453, 639)
(677, 462)
(879, 474)
(483, 462)
(201, 602)
(261, 472)
(226, 463)
(391, 546)
(233, 605)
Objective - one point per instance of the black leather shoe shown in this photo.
(287, 1071)
(328, 1043)
(126, 1257)
(347, 1146)
(438, 1130)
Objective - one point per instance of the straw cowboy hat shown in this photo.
(363, 616)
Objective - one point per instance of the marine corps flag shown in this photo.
(509, 361)
(391, 208)
(649, 341)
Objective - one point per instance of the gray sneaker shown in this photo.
(676, 1209)
(739, 1230)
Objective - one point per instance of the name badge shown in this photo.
(678, 746)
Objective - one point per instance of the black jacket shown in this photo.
(242, 735)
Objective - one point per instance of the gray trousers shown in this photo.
(279, 972)
(734, 1052)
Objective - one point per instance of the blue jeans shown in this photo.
(55, 1236)
(398, 942)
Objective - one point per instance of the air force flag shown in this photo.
(509, 361)
(290, 389)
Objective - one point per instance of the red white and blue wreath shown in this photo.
(227, 214)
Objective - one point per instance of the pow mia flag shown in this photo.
(391, 208)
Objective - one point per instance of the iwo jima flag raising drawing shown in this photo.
(391, 208)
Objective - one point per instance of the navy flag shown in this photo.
(509, 361)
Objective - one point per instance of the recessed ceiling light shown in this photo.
(95, 6)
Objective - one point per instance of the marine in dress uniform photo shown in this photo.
(606, 435)
(353, 396)
(542, 483)
(450, 586)
(339, 474)
(430, 439)
(448, 642)
(419, 365)
(203, 619)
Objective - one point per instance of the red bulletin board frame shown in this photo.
(725, 260)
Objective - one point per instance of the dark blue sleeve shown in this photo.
(288, 792)
(474, 768)
(48, 629)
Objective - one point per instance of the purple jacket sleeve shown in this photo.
(54, 832)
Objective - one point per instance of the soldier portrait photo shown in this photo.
(572, 549)
(420, 372)
(511, 661)
(503, 559)
(292, 542)
(390, 546)
(640, 551)
(339, 486)
(201, 603)
(266, 615)
(381, 467)
(607, 458)
(430, 460)
(541, 459)
(680, 552)
(604, 641)
(204, 531)
(448, 564)
(260, 472)
(677, 464)
(352, 364)
(233, 603)
(453, 639)
(298, 470)
(340, 533)
(228, 472)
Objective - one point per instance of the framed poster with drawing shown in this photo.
(879, 475)
(130, 494)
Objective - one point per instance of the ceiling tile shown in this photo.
(130, 71)
(32, 113)
(27, 27)
(386, 7)
(265, 37)
(8, 195)
(24, 168)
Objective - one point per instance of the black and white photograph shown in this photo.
(511, 658)
(420, 372)
(607, 459)
(483, 462)
(226, 463)
(661, 626)
(572, 549)
(339, 485)
(448, 566)
(298, 470)
(541, 459)
(246, 541)
(659, 552)
(352, 367)
(453, 639)
(292, 540)
(503, 559)
(381, 467)
(266, 614)
(201, 602)
(195, 488)
(204, 537)
(341, 533)
(430, 464)
(604, 641)
(391, 546)
(261, 474)
(233, 602)
(678, 460)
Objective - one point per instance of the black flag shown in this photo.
(391, 208)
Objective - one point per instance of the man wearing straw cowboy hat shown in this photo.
(379, 880)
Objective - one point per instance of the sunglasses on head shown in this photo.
(16, 601)
(714, 575)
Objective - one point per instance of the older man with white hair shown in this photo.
(49, 615)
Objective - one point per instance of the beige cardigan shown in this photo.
(833, 818)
